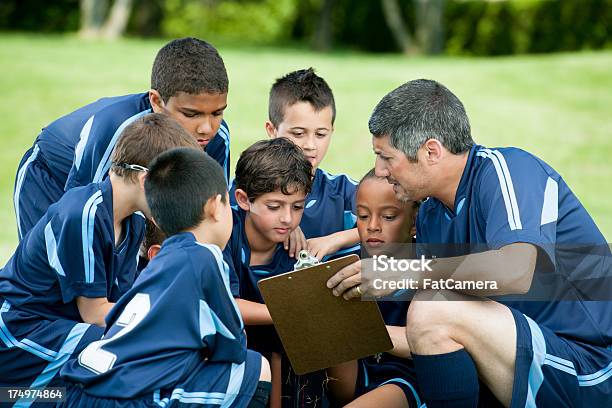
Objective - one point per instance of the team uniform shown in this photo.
(297, 391)
(329, 208)
(70, 252)
(507, 196)
(384, 368)
(76, 149)
(175, 338)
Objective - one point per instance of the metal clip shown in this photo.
(305, 260)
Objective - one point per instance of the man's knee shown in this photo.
(431, 323)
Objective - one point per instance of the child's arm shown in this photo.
(327, 245)
(93, 310)
(400, 341)
(253, 313)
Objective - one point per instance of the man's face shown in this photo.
(200, 114)
(275, 215)
(409, 179)
(311, 130)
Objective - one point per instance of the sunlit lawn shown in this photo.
(556, 106)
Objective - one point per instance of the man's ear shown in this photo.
(433, 150)
(153, 250)
(157, 103)
(243, 200)
(271, 129)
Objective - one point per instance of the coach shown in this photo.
(526, 353)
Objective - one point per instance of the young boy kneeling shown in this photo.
(177, 336)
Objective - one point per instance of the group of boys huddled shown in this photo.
(144, 179)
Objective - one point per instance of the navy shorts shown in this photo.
(376, 371)
(208, 385)
(33, 349)
(35, 190)
(554, 371)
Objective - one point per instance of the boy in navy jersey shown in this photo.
(176, 337)
(388, 378)
(302, 109)
(78, 260)
(188, 82)
(273, 178)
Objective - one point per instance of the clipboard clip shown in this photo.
(305, 260)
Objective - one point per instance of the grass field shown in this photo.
(556, 106)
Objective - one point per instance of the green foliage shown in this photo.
(251, 21)
(39, 15)
(482, 27)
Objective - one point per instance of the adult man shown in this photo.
(521, 212)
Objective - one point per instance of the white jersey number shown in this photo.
(93, 357)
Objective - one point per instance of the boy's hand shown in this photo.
(321, 246)
(330, 244)
(295, 242)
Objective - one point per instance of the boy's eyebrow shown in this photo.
(194, 110)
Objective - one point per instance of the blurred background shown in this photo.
(536, 74)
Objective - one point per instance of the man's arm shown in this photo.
(511, 267)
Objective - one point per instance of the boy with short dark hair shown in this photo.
(188, 83)
(273, 178)
(302, 109)
(78, 260)
(176, 337)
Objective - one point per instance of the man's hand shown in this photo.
(350, 283)
(295, 242)
(347, 281)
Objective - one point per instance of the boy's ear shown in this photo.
(213, 207)
(153, 250)
(243, 199)
(270, 129)
(157, 103)
(142, 176)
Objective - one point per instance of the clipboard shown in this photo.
(319, 330)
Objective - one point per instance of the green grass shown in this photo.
(556, 106)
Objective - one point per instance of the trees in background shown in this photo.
(475, 27)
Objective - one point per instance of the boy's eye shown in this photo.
(217, 114)
(190, 114)
(363, 217)
(273, 207)
(321, 135)
(298, 207)
(297, 134)
(389, 217)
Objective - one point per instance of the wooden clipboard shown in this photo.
(319, 330)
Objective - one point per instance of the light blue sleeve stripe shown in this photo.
(29, 346)
(78, 151)
(211, 324)
(105, 162)
(87, 230)
(224, 133)
(19, 185)
(51, 245)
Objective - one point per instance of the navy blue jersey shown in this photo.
(244, 282)
(78, 146)
(507, 195)
(71, 252)
(179, 312)
(329, 208)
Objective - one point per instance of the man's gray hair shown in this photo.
(420, 110)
